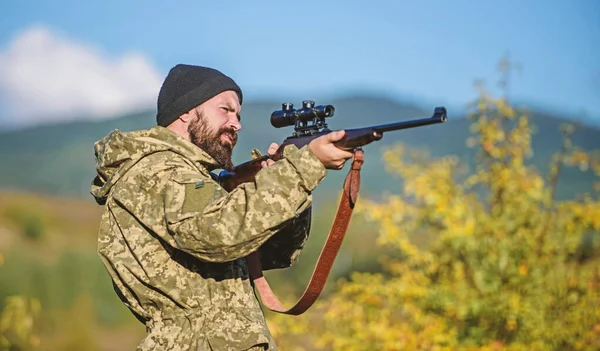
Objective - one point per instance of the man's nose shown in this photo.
(234, 123)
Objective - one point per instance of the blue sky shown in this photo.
(431, 51)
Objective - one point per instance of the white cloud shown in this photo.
(46, 77)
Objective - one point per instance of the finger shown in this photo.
(341, 154)
(270, 162)
(335, 136)
(272, 149)
(263, 164)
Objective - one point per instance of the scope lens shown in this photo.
(329, 110)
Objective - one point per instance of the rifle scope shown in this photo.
(288, 116)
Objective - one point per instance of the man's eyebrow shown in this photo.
(232, 109)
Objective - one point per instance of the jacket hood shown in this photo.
(118, 151)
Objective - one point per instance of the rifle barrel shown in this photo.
(439, 116)
(362, 136)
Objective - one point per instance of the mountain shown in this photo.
(58, 159)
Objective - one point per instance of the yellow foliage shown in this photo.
(505, 270)
(17, 321)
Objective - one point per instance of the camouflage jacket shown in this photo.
(174, 242)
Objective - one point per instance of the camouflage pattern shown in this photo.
(174, 242)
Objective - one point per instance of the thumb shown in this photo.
(337, 135)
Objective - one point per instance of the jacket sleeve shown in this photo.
(213, 225)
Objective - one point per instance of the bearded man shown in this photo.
(174, 242)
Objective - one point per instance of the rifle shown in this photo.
(309, 123)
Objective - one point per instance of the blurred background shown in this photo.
(477, 234)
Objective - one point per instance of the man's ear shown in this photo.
(186, 117)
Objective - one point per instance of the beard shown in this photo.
(211, 142)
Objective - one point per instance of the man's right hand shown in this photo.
(330, 155)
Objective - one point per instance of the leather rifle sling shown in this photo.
(329, 252)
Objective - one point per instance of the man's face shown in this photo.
(214, 127)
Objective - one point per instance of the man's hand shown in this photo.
(272, 150)
(330, 155)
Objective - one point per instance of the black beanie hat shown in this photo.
(186, 87)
